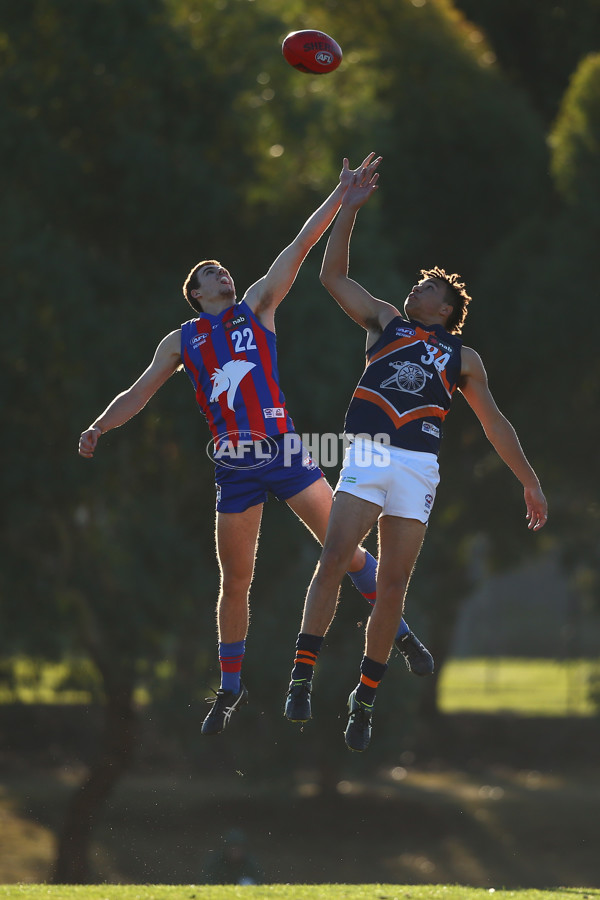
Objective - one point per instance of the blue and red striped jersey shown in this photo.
(406, 389)
(231, 360)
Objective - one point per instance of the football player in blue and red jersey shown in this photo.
(414, 365)
(229, 353)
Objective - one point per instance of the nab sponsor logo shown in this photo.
(428, 502)
(233, 323)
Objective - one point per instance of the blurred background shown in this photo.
(137, 138)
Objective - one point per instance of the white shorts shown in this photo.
(401, 482)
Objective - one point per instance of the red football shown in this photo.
(312, 51)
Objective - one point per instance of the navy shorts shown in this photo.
(247, 481)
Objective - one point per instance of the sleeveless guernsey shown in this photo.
(231, 360)
(406, 389)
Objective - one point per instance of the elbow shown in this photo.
(327, 278)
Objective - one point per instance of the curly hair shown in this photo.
(191, 282)
(458, 297)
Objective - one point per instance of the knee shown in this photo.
(333, 563)
(235, 586)
(392, 589)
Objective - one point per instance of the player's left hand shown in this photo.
(347, 174)
(537, 508)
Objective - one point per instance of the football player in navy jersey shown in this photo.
(415, 363)
(229, 353)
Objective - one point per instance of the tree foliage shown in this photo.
(576, 143)
(139, 137)
(538, 45)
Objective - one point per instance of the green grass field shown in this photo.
(536, 687)
(287, 891)
(531, 687)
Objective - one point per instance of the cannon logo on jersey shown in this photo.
(408, 377)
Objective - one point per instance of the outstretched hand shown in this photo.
(537, 508)
(362, 183)
(347, 174)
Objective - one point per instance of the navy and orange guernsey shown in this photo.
(231, 360)
(406, 389)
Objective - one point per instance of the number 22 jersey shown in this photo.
(231, 360)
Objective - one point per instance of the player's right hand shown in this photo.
(362, 185)
(88, 441)
(347, 174)
(537, 508)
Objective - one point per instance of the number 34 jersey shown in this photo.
(406, 389)
(231, 360)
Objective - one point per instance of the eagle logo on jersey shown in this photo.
(228, 379)
(408, 377)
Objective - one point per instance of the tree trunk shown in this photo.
(72, 864)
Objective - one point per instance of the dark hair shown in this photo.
(191, 283)
(458, 297)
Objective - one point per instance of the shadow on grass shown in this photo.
(497, 828)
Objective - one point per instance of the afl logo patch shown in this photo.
(324, 57)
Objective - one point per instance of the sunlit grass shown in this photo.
(531, 687)
(286, 892)
(27, 680)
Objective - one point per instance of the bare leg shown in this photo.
(400, 541)
(350, 520)
(237, 540)
(313, 507)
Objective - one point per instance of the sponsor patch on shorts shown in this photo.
(309, 463)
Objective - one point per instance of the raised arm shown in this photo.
(369, 312)
(167, 359)
(265, 295)
(501, 435)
